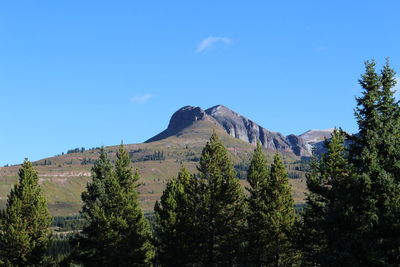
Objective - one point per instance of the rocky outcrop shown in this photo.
(181, 119)
(247, 130)
(242, 128)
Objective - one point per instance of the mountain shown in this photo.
(313, 137)
(242, 128)
(63, 177)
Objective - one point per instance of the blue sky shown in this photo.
(90, 73)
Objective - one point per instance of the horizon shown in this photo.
(76, 74)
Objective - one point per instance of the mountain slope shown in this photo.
(241, 128)
(64, 177)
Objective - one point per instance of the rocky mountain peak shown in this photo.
(185, 116)
(242, 128)
(181, 119)
(315, 136)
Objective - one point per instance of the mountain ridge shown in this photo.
(64, 177)
(242, 128)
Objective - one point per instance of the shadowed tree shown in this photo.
(221, 212)
(117, 233)
(271, 214)
(337, 210)
(375, 153)
(176, 220)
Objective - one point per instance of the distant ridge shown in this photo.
(242, 128)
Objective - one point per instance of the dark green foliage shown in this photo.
(353, 212)
(337, 214)
(157, 155)
(221, 208)
(58, 249)
(87, 161)
(375, 153)
(200, 219)
(117, 233)
(281, 215)
(68, 223)
(175, 220)
(24, 223)
(257, 232)
(241, 170)
(76, 150)
(271, 214)
(95, 191)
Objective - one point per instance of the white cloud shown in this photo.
(210, 42)
(141, 98)
(320, 49)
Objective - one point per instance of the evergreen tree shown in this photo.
(281, 216)
(364, 145)
(257, 218)
(95, 191)
(25, 222)
(389, 110)
(336, 214)
(117, 233)
(389, 160)
(175, 221)
(375, 153)
(221, 212)
(271, 215)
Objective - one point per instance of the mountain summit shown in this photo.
(241, 128)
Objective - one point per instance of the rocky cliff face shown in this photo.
(242, 128)
(181, 119)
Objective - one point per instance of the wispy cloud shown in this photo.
(141, 98)
(211, 41)
(320, 49)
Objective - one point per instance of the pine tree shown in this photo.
(87, 249)
(281, 216)
(389, 110)
(95, 191)
(389, 160)
(364, 145)
(339, 215)
(257, 217)
(221, 212)
(117, 233)
(25, 222)
(176, 220)
(271, 215)
(375, 152)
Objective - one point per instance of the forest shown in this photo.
(351, 216)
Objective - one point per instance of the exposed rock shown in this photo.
(299, 146)
(242, 128)
(181, 119)
(316, 136)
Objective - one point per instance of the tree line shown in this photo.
(351, 216)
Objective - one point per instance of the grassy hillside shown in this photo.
(64, 177)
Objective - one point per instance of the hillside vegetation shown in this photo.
(64, 177)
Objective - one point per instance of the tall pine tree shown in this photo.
(281, 216)
(95, 190)
(375, 153)
(353, 212)
(338, 214)
(175, 215)
(271, 214)
(257, 218)
(221, 212)
(117, 233)
(25, 222)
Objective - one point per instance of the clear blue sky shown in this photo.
(90, 73)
